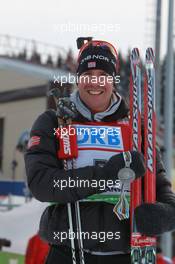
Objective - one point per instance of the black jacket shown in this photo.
(43, 167)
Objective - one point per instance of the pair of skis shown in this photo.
(142, 103)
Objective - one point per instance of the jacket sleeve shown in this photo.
(45, 172)
(164, 191)
(157, 218)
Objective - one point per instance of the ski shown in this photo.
(150, 146)
(135, 119)
(143, 248)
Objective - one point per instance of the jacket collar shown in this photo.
(117, 110)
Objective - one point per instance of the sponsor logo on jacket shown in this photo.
(104, 137)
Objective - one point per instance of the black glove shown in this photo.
(116, 162)
(155, 219)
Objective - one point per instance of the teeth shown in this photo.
(95, 92)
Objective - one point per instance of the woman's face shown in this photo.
(95, 89)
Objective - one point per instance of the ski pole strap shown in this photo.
(127, 158)
(65, 133)
(68, 148)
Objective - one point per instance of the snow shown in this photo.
(14, 199)
(21, 223)
(7, 201)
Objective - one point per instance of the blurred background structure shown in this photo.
(29, 68)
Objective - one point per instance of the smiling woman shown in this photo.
(100, 159)
(95, 93)
(97, 69)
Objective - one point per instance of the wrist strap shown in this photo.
(127, 158)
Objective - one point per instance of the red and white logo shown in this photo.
(66, 145)
(92, 64)
(34, 141)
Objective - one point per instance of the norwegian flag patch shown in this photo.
(92, 64)
(34, 141)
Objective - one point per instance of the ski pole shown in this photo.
(65, 112)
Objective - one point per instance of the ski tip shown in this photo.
(135, 55)
(150, 57)
(135, 52)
